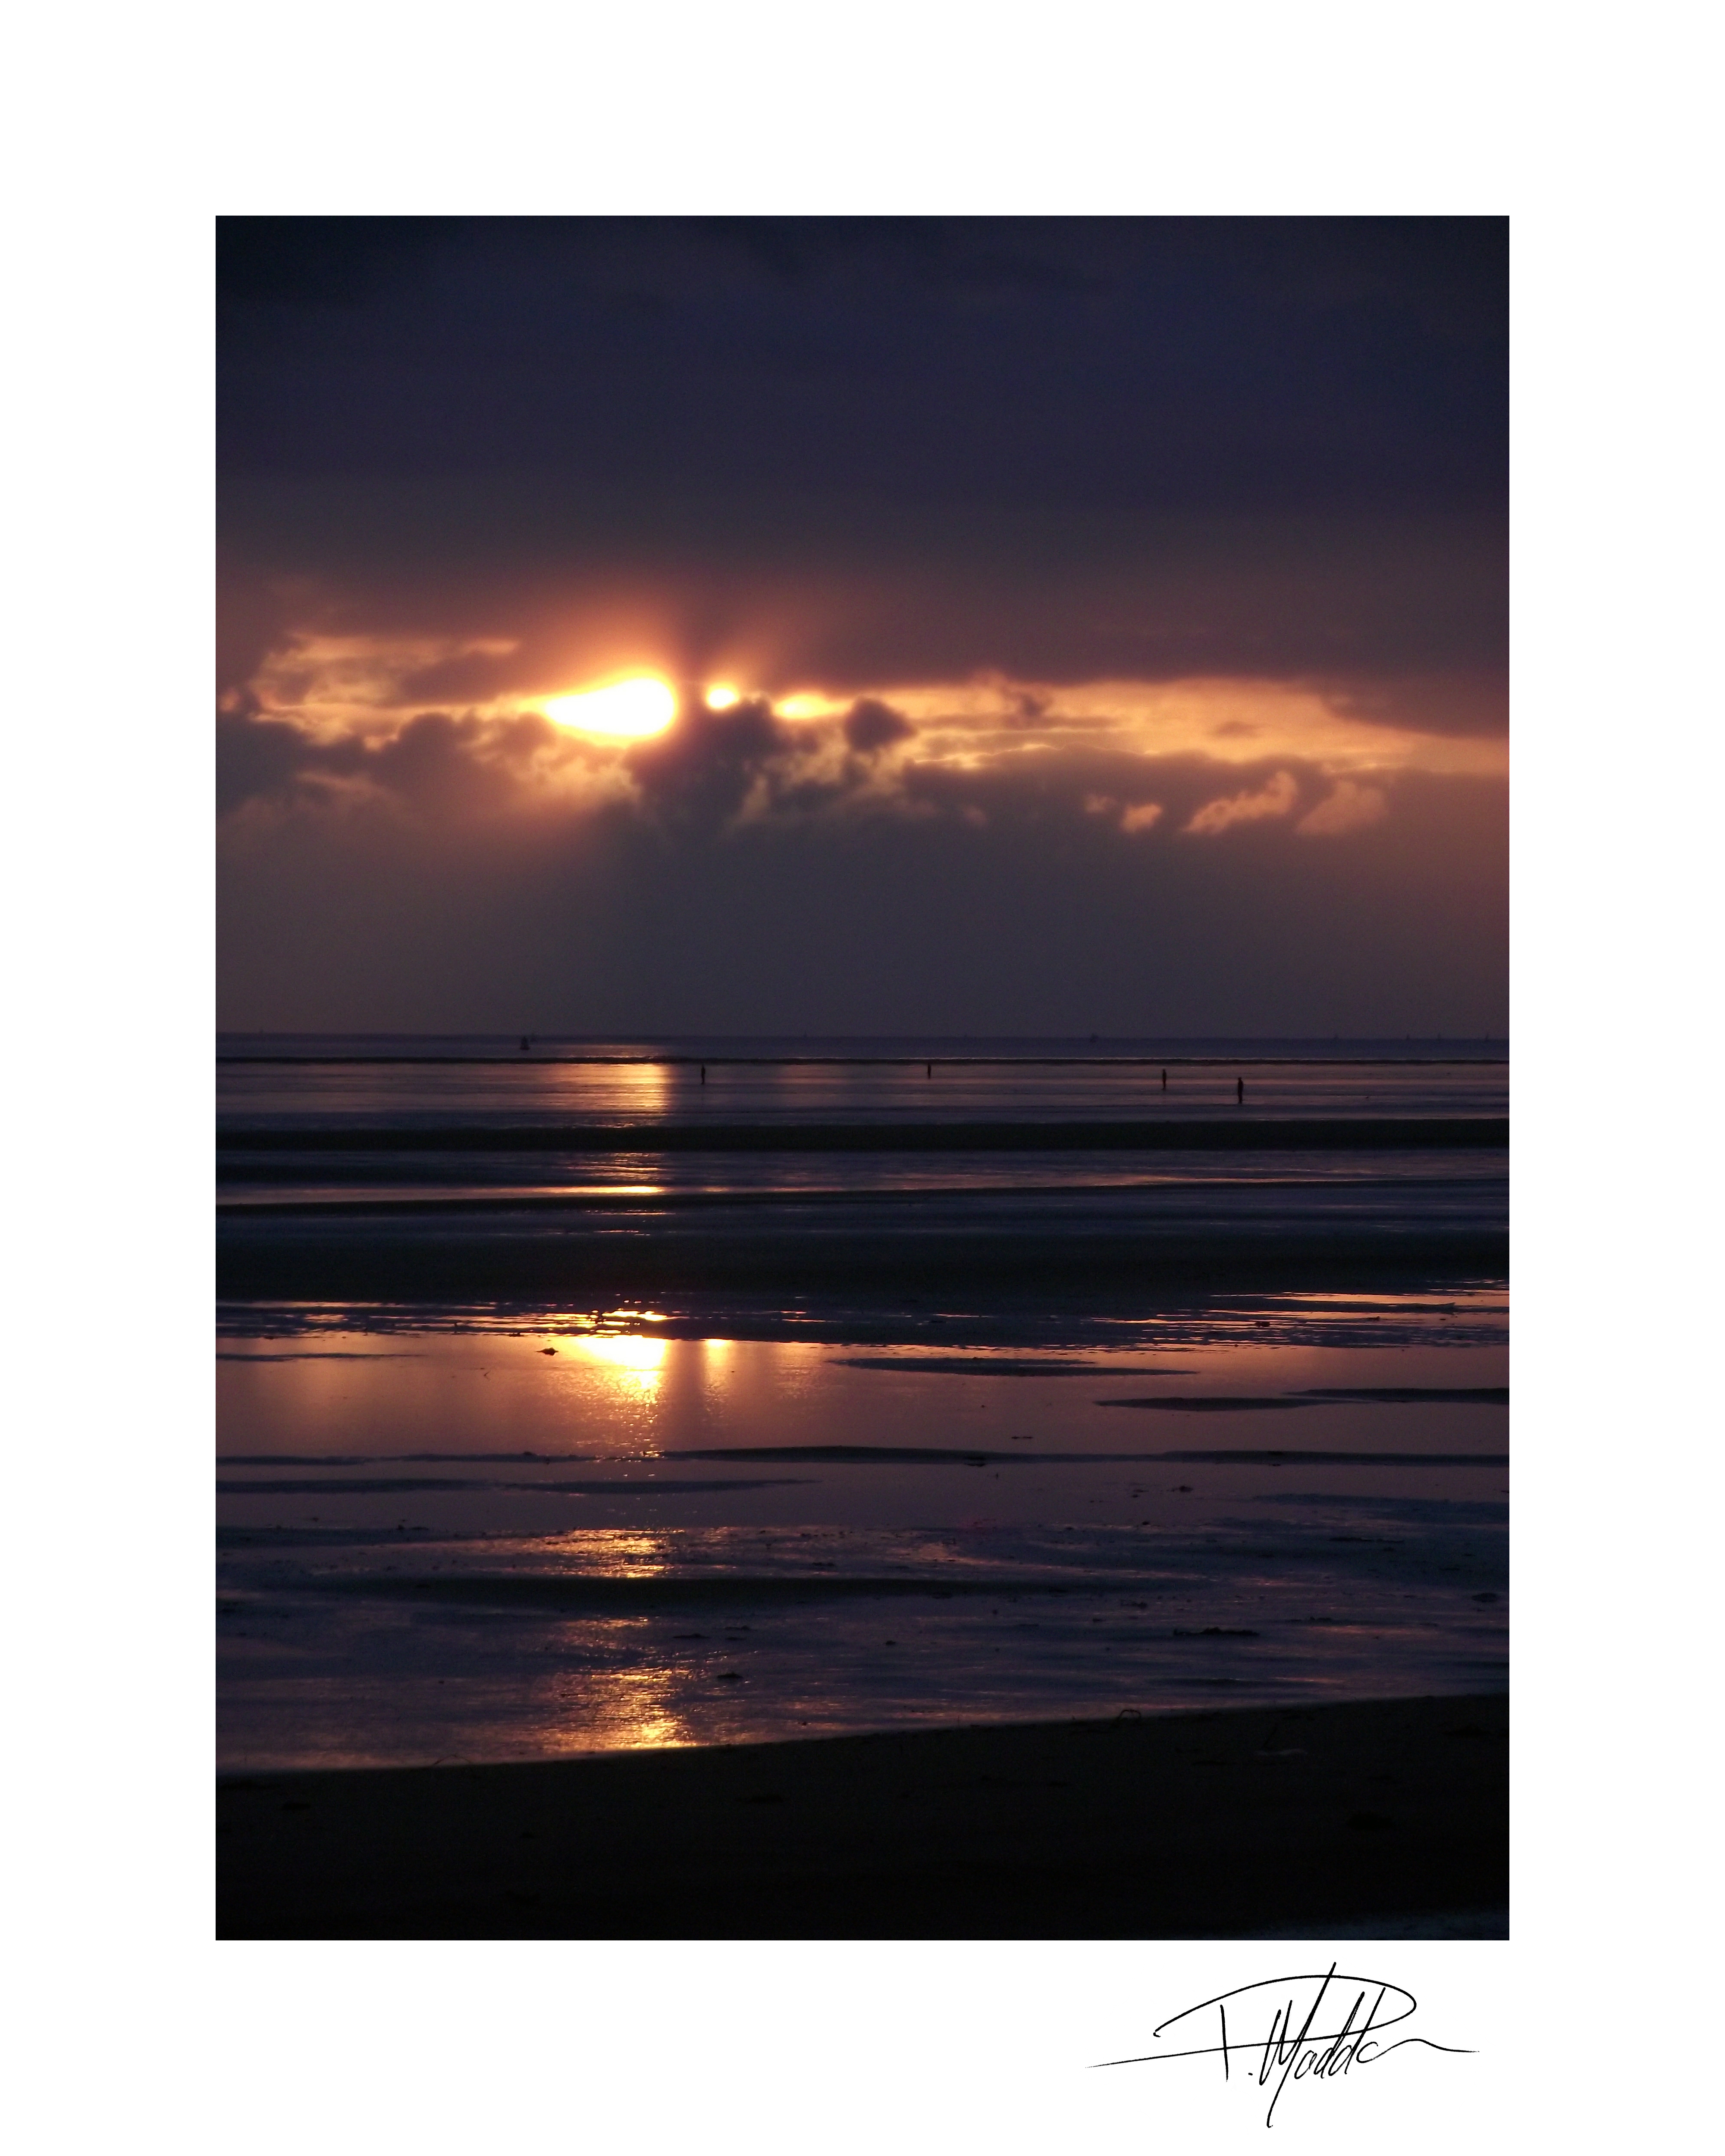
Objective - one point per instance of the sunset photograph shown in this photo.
(862, 1083)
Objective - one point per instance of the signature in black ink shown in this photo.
(1294, 2046)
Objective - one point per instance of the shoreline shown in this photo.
(1016, 1317)
(1247, 1130)
(1211, 1824)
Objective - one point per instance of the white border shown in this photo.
(133, 129)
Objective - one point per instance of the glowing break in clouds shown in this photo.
(334, 685)
(1350, 807)
(375, 686)
(1137, 816)
(634, 709)
(469, 729)
(1215, 817)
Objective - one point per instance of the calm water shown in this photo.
(273, 1079)
(896, 1437)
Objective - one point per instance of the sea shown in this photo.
(577, 1395)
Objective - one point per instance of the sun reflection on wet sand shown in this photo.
(1086, 1560)
(615, 1709)
(611, 1552)
(638, 1361)
(620, 1710)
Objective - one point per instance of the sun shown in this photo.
(621, 711)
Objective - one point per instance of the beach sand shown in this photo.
(1364, 1818)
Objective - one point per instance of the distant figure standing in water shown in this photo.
(703, 1074)
(1164, 1082)
(1239, 1092)
(928, 1070)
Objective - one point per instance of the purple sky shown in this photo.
(1067, 625)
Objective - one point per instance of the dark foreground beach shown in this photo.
(1376, 1817)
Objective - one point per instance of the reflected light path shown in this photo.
(638, 1360)
(621, 1710)
(504, 1538)
(624, 1705)
(611, 1552)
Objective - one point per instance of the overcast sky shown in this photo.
(1064, 626)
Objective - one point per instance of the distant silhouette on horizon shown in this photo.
(1240, 1091)
(1164, 1082)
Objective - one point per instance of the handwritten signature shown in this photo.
(1285, 2052)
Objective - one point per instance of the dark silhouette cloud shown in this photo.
(870, 725)
(703, 769)
(714, 772)
(437, 763)
(261, 759)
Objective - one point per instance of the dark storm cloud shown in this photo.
(714, 772)
(885, 449)
(440, 762)
(703, 770)
(437, 763)
(709, 769)
(259, 759)
(870, 725)
(1125, 363)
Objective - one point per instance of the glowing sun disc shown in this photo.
(624, 710)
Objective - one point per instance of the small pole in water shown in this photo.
(1239, 1092)
(1164, 1082)
(928, 1070)
(703, 1074)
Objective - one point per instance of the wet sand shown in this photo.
(434, 1255)
(1389, 1815)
